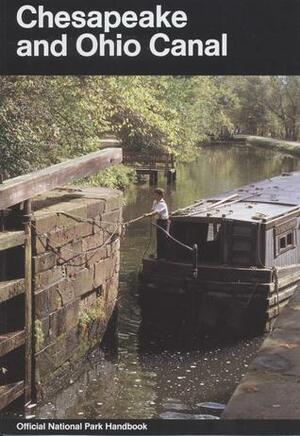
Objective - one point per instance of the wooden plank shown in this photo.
(288, 280)
(243, 289)
(10, 393)
(285, 227)
(11, 341)
(148, 171)
(281, 219)
(288, 270)
(11, 289)
(11, 239)
(28, 302)
(208, 272)
(282, 295)
(235, 198)
(22, 188)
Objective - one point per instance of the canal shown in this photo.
(163, 378)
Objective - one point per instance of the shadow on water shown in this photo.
(155, 373)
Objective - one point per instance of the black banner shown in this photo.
(153, 427)
(150, 37)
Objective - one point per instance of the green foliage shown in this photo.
(118, 177)
(44, 120)
(89, 315)
(268, 105)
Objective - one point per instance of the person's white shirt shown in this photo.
(161, 209)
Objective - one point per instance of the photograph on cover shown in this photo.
(149, 247)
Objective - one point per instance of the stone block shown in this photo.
(104, 270)
(73, 209)
(60, 351)
(45, 279)
(45, 222)
(41, 333)
(71, 250)
(93, 242)
(43, 262)
(83, 282)
(90, 300)
(45, 363)
(72, 315)
(113, 199)
(41, 304)
(55, 297)
(114, 217)
(95, 256)
(39, 244)
(95, 208)
(61, 237)
(65, 291)
(114, 202)
(112, 265)
(57, 323)
(100, 273)
(75, 265)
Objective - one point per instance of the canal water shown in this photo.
(163, 378)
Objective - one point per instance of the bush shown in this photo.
(118, 177)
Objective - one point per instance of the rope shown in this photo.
(93, 222)
(149, 240)
(172, 238)
(77, 254)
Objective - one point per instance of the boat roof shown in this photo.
(261, 201)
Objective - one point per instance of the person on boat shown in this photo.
(161, 213)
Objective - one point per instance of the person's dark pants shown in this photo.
(162, 239)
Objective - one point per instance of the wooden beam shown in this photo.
(11, 289)
(28, 302)
(12, 239)
(22, 188)
(11, 341)
(9, 393)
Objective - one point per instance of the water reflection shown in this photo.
(148, 380)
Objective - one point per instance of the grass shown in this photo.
(292, 148)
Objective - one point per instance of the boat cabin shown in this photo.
(256, 225)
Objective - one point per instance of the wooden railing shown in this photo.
(150, 160)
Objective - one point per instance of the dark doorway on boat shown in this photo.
(207, 235)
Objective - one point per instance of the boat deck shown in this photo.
(264, 201)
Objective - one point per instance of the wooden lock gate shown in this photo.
(16, 299)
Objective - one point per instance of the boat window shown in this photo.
(285, 242)
(282, 242)
(289, 239)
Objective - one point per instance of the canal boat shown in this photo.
(248, 262)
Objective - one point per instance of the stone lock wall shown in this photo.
(76, 258)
